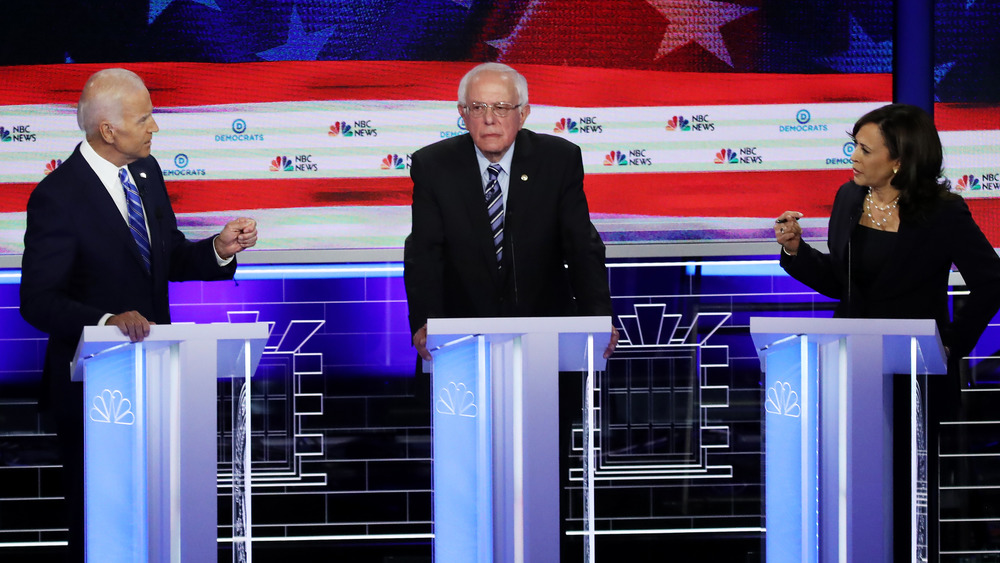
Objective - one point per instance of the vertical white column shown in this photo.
(589, 459)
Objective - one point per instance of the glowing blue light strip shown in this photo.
(714, 267)
(395, 269)
(667, 531)
(34, 544)
(324, 271)
(10, 277)
(352, 537)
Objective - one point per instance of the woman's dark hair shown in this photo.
(911, 137)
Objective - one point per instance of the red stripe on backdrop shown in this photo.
(698, 194)
(192, 84)
(966, 117)
(746, 194)
(986, 212)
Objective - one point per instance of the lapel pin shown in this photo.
(524, 177)
(142, 174)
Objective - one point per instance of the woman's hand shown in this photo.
(788, 232)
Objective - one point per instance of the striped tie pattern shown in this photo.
(494, 206)
(136, 221)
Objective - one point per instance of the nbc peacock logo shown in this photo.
(678, 123)
(51, 165)
(968, 182)
(726, 156)
(340, 128)
(566, 125)
(4, 135)
(615, 157)
(392, 162)
(281, 163)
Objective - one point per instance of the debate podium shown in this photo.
(150, 469)
(828, 434)
(495, 393)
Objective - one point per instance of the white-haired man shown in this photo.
(501, 225)
(100, 246)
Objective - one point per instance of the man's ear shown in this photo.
(107, 132)
(525, 110)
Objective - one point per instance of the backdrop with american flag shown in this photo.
(698, 119)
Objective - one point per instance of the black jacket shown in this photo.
(450, 262)
(913, 284)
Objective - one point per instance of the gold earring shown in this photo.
(895, 170)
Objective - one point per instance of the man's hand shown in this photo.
(420, 343)
(237, 235)
(132, 324)
(613, 344)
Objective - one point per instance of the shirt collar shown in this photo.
(105, 170)
(504, 163)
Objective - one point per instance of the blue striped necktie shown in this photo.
(494, 206)
(136, 222)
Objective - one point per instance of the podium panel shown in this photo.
(495, 431)
(828, 434)
(150, 452)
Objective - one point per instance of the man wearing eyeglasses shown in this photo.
(500, 220)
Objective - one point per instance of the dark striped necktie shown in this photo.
(136, 221)
(494, 206)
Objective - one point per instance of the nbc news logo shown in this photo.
(281, 163)
(394, 162)
(988, 181)
(361, 128)
(634, 157)
(586, 124)
(298, 163)
(745, 155)
(17, 134)
(698, 122)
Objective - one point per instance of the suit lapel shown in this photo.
(521, 178)
(105, 211)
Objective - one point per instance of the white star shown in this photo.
(301, 45)
(505, 43)
(699, 21)
(156, 7)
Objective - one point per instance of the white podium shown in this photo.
(495, 390)
(828, 434)
(150, 439)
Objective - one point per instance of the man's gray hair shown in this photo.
(102, 97)
(520, 82)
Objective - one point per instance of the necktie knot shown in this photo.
(494, 171)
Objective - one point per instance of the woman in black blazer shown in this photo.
(895, 230)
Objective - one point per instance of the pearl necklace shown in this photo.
(886, 211)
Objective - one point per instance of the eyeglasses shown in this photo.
(500, 109)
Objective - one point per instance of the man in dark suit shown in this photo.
(100, 246)
(500, 220)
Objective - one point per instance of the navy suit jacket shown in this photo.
(450, 260)
(81, 262)
(913, 284)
